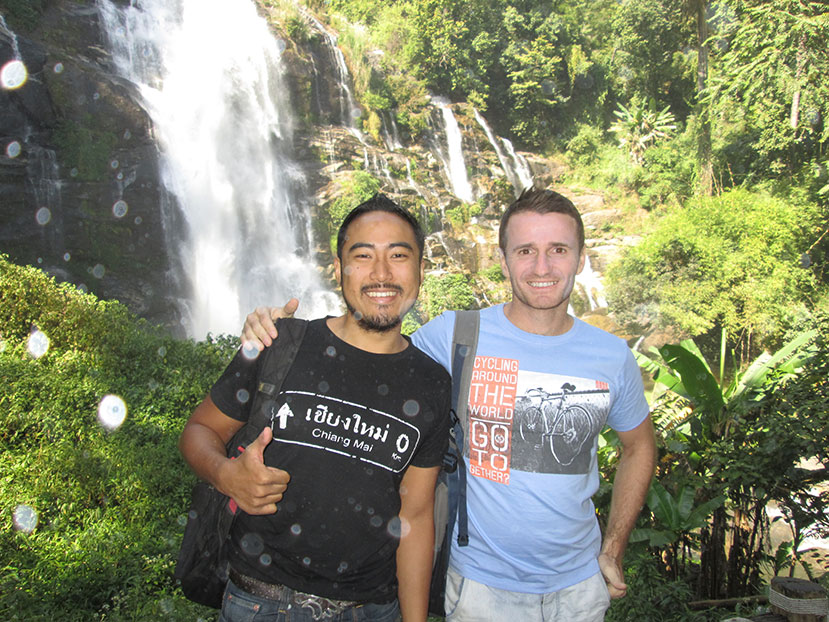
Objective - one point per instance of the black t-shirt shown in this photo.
(347, 424)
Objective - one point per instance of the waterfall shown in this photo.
(454, 164)
(516, 175)
(349, 110)
(522, 169)
(210, 76)
(13, 74)
(43, 177)
(592, 284)
(391, 139)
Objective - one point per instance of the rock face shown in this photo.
(84, 199)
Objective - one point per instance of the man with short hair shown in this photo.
(337, 492)
(543, 386)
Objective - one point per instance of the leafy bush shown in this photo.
(105, 505)
(447, 291)
(359, 186)
(732, 261)
(583, 148)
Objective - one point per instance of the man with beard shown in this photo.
(544, 385)
(337, 492)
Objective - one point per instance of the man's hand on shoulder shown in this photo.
(259, 330)
(614, 577)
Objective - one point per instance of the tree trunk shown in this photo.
(706, 169)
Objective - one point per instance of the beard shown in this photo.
(380, 323)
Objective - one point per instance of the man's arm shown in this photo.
(417, 541)
(255, 487)
(259, 330)
(630, 487)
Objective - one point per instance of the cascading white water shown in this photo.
(210, 75)
(455, 165)
(516, 176)
(522, 169)
(349, 110)
(592, 285)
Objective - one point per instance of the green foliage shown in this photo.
(583, 148)
(110, 504)
(357, 187)
(462, 214)
(493, 273)
(647, 35)
(676, 516)
(770, 80)
(652, 597)
(85, 149)
(22, 13)
(741, 440)
(732, 261)
(444, 292)
(640, 126)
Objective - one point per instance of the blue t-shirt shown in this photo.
(536, 406)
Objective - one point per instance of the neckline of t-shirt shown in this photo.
(528, 337)
(354, 349)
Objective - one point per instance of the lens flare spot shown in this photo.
(252, 544)
(43, 216)
(296, 529)
(394, 528)
(98, 271)
(13, 75)
(114, 164)
(67, 256)
(242, 396)
(13, 149)
(112, 411)
(265, 559)
(411, 408)
(38, 344)
(249, 351)
(25, 518)
(119, 208)
(58, 68)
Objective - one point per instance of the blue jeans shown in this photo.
(240, 606)
(470, 601)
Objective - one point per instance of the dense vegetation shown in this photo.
(92, 512)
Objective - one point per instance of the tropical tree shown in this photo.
(770, 84)
(726, 439)
(640, 126)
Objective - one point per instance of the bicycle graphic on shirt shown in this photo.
(548, 419)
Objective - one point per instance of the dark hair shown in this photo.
(380, 203)
(540, 202)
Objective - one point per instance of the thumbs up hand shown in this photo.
(255, 488)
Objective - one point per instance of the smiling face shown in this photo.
(541, 258)
(380, 270)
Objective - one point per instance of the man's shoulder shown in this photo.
(594, 333)
(425, 363)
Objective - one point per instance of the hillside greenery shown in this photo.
(92, 515)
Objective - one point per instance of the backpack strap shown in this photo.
(464, 347)
(277, 361)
